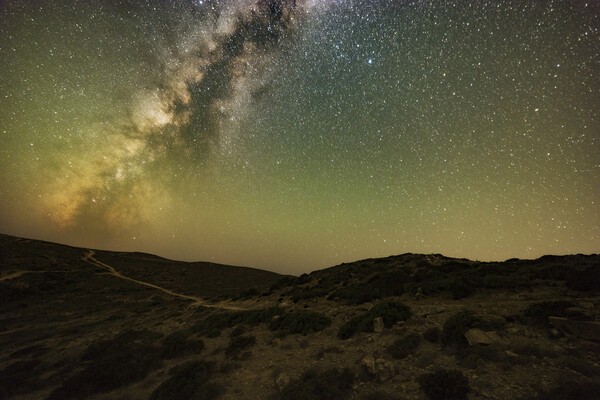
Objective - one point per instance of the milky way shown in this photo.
(293, 135)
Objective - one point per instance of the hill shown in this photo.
(76, 323)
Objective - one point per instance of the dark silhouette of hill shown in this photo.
(200, 279)
(83, 324)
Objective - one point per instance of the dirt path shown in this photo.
(89, 258)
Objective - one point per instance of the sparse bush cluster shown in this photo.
(455, 327)
(390, 311)
(189, 381)
(331, 384)
(237, 344)
(538, 313)
(303, 322)
(381, 285)
(444, 384)
(111, 364)
(177, 345)
(404, 346)
(212, 325)
(432, 334)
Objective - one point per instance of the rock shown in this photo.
(381, 369)
(378, 324)
(282, 380)
(512, 354)
(368, 362)
(419, 294)
(582, 329)
(384, 369)
(477, 336)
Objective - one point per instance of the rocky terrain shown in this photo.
(78, 324)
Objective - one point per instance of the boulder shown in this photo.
(477, 336)
(380, 368)
(282, 380)
(378, 324)
(384, 370)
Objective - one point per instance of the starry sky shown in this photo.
(294, 135)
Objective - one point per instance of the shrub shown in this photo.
(189, 381)
(432, 334)
(455, 327)
(587, 280)
(379, 396)
(212, 325)
(239, 343)
(538, 313)
(237, 331)
(390, 311)
(332, 384)
(303, 322)
(462, 287)
(177, 344)
(17, 377)
(572, 390)
(116, 367)
(444, 384)
(381, 285)
(405, 345)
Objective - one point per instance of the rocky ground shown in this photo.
(402, 327)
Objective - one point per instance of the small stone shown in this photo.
(378, 324)
(419, 294)
(477, 336)
(282, 380)
(384, 369)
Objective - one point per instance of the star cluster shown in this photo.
(293, 135)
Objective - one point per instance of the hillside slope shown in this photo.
(402, 327)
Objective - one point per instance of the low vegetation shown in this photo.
(189, 381)
(331, 384)
(390, 311)
(404, 346)
(444, 384)
(303, 322)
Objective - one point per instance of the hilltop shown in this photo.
(78, 323)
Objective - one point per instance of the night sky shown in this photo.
(295, 135)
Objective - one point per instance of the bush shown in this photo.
(379, 396)
(189, 381)
(18, 378)
(303, 322)
(332, 384)
(390, 311)
(572, 390)
(177, 345)
(432, 334)
(455, 327)
(538, 313)
(114, 368)
(462, 287)
(444, 384)
(237, 331)
(405, 346)
(239, 343)
(381, 285)
(212, 325)
(587, 280)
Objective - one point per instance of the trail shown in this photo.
(89, 258)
